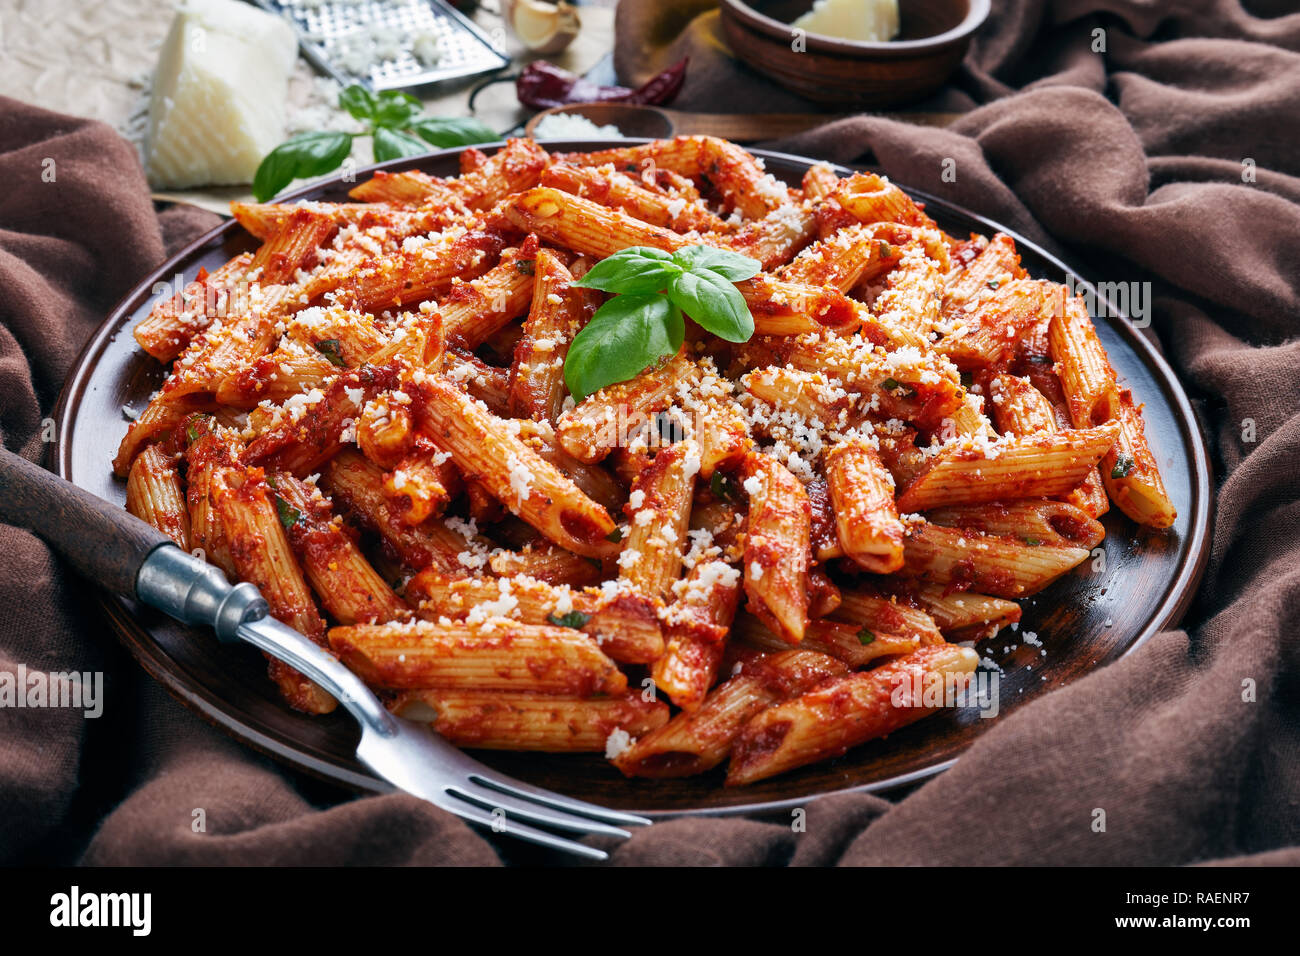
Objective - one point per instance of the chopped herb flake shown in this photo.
(1123, 465)
(332, 350)
(865, 636)
(574, 619)
(288, 515)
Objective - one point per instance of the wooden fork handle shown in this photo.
(102, 541)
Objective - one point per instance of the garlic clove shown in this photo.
(541, 26)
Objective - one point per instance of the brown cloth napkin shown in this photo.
(1129, 161)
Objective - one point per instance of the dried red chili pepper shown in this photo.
(544, 85)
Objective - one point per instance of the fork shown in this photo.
(127, 556)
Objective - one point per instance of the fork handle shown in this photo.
(102, 541)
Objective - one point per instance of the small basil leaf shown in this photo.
(453, 132)
(615, 536)
(307, 154)
(358, 101)
(332, 350)
(627, 335)
(728, 264)
(395, 110)
(392, 144)
(288, 514)
(634, 271)
(865, 636)
(574, 619)
(1123, 465)
(714, 303)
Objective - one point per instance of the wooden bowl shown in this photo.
(933, 38)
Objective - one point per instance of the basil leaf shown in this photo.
(574, 619)
(395, 110)
(392, 144)
(332, 350)
(1032, 542)
(615, 536)
(288, 515)
(635, 271)
(307, 154)
(526, 267)
(865, 636)
(728, 264)
(714, 303)
(1123, 465)
(453, 132)
(627, 335)
(358, 101)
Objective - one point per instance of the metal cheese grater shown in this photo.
(375, 42)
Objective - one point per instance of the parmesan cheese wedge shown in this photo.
(867, 21)
(219, 94)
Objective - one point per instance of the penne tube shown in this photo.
(776, 546)
(596, 483)
(171, 325)
(558, 312)
(859, 252)
(498, 720)
(988, 330)
(622, 192)
(349, 588)
(389, 218)
(356, 485)
(1130, 473)
(1001, 566)
(857, 645)
(776, 238)
(548, 563)
(1033, 466)
(261, 555)
(310, 430)
(495, 654)
(847, 711)
(819, 181)
(887, 615)
(869, 197)
(207, 450)
(658, 513)
(483, 382)
(408, 188)
(475, 310)
(624, 625)
(486, 181)
(1033, 521)
(698, 740)
(482, 447)
(963, 613)
(584, 226)
(697, 623)
(155, 493)
(996, 263)
(421, 484)
(610, 417)
(862, 497)
(292, 245)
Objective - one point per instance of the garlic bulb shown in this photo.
(542, 27)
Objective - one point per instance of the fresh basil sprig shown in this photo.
(643, 322)
(392, 119)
